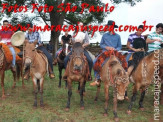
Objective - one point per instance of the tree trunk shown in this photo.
(56, 19)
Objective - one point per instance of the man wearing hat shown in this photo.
(5, 37)
(33, 36)
(109, 41)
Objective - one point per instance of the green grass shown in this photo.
(17, 107)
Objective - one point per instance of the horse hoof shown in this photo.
(67, 109)
(82, 108)
(23, 87)
(3, 97)
(105, 114)
(142, 109)
(13, 87)
(116, 119)
(128, 112)
(59, 86)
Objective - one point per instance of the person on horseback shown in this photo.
(84, 40)
(155, 39)
(136, 43)
(65, 39)
(110, 41)
(5, 37)
(33, 36)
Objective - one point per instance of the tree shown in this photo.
(54, 17)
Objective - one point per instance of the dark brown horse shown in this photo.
(77, 70)
(60, 60)
(4, 66)
(149, 69)
(38, 67)
(113, 74)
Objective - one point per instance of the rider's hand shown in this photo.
(110, 48)
(138, 50)
(158, 40)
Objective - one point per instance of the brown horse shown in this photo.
(77, 70)
(4, 66)
(113, 74)
(149, 69)
(38, 67)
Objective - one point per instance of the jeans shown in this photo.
(13, 55)
(90, 62)
(128, 57)
(48, 55)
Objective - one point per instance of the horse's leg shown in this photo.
(69, 94)
(2, 73)
(66, 84)
(84, 88)
(97, 93)
(60, 75)
(14, 75)
(106, 90)
(41, 91)
(115, 105)
(161, 96)
(141, 100)
(35, 90)
(81, 95)
(133, 98)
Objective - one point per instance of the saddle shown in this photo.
(8, 54)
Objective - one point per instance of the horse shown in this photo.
(144, 74)
(7, 65)
(113, 74)
(60, 60)
(38, 67)
(77, 70)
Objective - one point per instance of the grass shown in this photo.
(17, 107)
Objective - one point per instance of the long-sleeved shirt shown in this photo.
(5, 36)
(111, 40)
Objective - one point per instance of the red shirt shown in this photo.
(6, 36)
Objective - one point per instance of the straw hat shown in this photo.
(18, 38)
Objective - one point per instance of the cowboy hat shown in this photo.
(18, 38)
(111, 22)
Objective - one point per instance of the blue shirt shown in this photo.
(111, 40)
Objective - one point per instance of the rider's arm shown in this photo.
(129, 47)
(86, 40)
(119, 46)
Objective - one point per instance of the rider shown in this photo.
(65, 39)
(5, 37)
(85, 43)
(155, 39)
(33, 36)
(137, 36)
(109, 41)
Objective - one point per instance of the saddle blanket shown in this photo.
(8, 54)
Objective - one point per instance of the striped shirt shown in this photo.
(6, 36)
(131, 39)
(155, 45)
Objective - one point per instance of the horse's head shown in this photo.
(66, 48)
(77, 57)
(29, 52)
(120, 77)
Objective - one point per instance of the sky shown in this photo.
(124, 14)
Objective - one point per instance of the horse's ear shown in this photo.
(35, 42)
